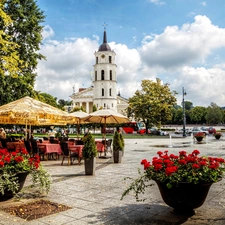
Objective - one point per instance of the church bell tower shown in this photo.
(105, 82)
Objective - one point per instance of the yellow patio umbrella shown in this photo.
(33, 112)
(105, 116)
(80, 115)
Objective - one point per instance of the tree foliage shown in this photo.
(197, 114)
(62, 103)
(214, 114)
(25, 31)
(153, 104)
(47, 98)
(9, 58)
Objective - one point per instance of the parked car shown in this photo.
(196, 130)
(156, 131)
(212, 130)
(204, 128)
(180, 131)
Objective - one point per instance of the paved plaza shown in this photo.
(96, 199)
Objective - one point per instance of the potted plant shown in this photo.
(14, 168)
(122, 142)
(217, 135)
(117, 147)
(89, 153)
(183, 179)
(199, 136)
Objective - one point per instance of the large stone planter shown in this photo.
(199, 139)
(117, 156)
(21, 180)
(217, 137)
(89, 165)
(184, 197)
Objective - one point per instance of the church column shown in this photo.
(87, 107)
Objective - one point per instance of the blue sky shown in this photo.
(182, 42)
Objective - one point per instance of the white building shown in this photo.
(103, 93)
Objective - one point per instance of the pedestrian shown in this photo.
(2, 133)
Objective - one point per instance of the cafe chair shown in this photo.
(27, 146)
(67, 153)
(36, 150)
(51, 140)
(3, 141)
(79, 142)
(109, 145)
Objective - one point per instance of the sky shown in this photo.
(181, 42)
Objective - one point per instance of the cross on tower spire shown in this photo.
(105, 25)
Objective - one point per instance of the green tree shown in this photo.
(197, 114)
(49, 99)
(62, 103)
(94, 108)
(214, 114)
(153, 104)
(9, 58)
(25, 31)
(178, 116)
(188, 105)
(76, 108)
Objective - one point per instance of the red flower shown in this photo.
(182, 162)
(182, 153)
(7, 159)
(159, 153)
(170, 170)
(18, 159)
(195, 166)
(196, 152)
(144, 161)
(146, 165)
(158, 167)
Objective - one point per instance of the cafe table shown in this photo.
(15, 145)
(50, 148)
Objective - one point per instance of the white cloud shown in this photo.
(157, 2)
(202, 85)
(47, 32)
(191, 43)
(203, 3)
(68, 64)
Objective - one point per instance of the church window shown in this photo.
(112, 105)
(110, 74)
(103, 75)
(104, 105)
(102, 91)
(95, 75)
(110, 59)
(96, 60)
(110, 91)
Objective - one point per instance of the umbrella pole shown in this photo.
(105, 135)
(26, 130)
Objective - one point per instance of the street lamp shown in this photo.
(184, 117)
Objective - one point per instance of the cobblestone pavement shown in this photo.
(96, 199)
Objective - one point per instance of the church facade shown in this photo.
(103, 92)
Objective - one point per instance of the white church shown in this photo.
(103, 93)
